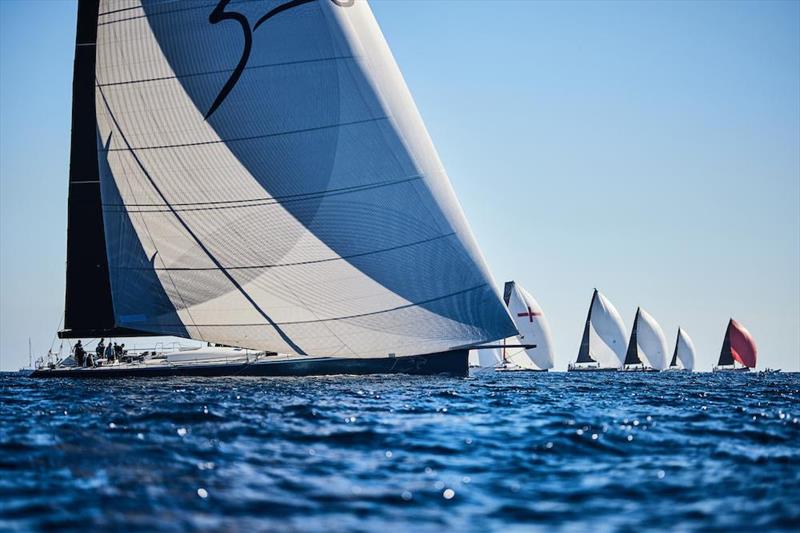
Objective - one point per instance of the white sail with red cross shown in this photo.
(533, 329)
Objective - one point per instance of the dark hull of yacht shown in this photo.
(591, 369)
(452, 363)
(730, 369)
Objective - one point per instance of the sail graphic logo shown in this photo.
(219, 14)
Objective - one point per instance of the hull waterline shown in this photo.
(520, 370)
(452, 363)
(591, 369)
(729, 369)
(638, 369)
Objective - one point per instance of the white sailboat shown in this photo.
(684, 353)
(278, 192)
(533, 330)
(647, 349)
(603, 342)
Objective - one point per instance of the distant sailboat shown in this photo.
(684, 353)
(603, 342)
(648, 342)
(533, 329)
(738, 346)
(281, 195)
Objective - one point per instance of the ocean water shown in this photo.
(398, 453)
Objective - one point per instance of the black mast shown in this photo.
(88, 309)
(583, 353)
(725, 356)
(675, 353)
(632, 356)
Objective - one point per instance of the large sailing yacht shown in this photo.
(256, 174)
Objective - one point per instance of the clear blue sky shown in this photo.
(649, 149)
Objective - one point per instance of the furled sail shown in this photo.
(648, 344)
(267, 182)
(738, 345)
(604, 334)
(532, 327)
(684, 351)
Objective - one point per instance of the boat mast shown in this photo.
(584, 352)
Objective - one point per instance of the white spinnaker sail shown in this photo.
(651, 341)
(532, 326)
(607, 333)
(279, 190)
(686, 351)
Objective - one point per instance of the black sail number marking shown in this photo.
(219, 14)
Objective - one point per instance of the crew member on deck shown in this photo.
(100, 350)
(109, 353)
(79, 353)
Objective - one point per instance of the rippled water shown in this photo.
(576, 451)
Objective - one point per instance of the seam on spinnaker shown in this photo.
(223, 71)
(227, 141)
(278, 200)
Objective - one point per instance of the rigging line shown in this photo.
(55, 336)
(254, 137)
(205, 249)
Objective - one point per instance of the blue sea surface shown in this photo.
(604, 451)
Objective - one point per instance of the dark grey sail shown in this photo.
(725, 356)
(507, 290)
(632, 355)
(584, 355)
(674, 362)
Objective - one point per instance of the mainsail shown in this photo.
(532, 327)
(265, 181)
(684, 351)
(647, 341)
(738, 345)
(604, 334)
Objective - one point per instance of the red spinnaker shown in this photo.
(743, 347)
